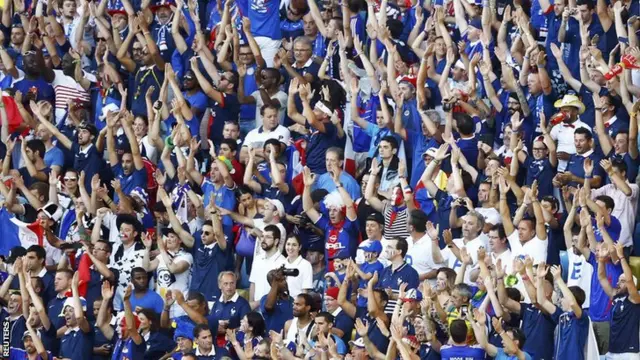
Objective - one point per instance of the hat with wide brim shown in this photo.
(570, 100)
(129, 219)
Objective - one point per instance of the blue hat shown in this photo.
(184, 328)
(413, 295)
(476, 23)
(342, 254)
(371, 246)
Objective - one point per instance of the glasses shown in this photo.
(70, 179)
(30, 52)
(206, 233)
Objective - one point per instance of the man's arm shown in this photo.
(543, 303)
(128, 315)
(65, 141)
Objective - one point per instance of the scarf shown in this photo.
(334, 233)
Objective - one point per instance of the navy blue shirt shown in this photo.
(625, 325)
(538, 329)
(540, 170)
(208, 262)
(54, 308)
(281, 312)
(232, 310)
(137, 178)
(43, 89)
(227, 110)
(391, 279)
(128, 349)
(142, 78)
(575, 167)
(75, 345)
(89, 160)
(159, 343)
(572, 334)
(17, 328)
(317, 147)
(219, 354)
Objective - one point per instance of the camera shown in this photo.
(291, 272)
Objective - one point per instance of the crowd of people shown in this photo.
(314, 179)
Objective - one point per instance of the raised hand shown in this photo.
(107, 290)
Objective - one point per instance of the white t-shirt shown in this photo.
(165, 280)
(261, 266)
(472, 248)
(420, 256)
(580, 274)
(535, 247)
(282, 98)
(304, 280)
(507, 260)
(258, 136)
(260, 225)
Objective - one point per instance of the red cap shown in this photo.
(410, 79)
(333, 292)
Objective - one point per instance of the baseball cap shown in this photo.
(372, 246)
(377, 217)
(14, 253)
(412, 295)
(279, 206)
(342, 254)
(27, 333)
(357, 343)
(431, 152)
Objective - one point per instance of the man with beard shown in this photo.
(223, 99)
(298, 329)
(129, 169)
(87, 158)
(36, 83)
(33, 347)
(472, 239)
(270, 259)
(146, 69)
(625, 314)
(575, 174)
(161, 28)
(77, 340)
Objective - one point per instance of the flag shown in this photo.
(29, 234)
(349, 153)
(9, 232)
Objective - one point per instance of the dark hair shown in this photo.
(583, 131)
(197, 296)
(40, 252)
(190, 356)
(138, 270)
(37, 145)
(551, 199)
(391, 140)
(208, 223)
(465, 123)
(384, 297)
(500, 229)
(233, 145)
(65, 271)
(295, 237)
(244, 189)
(620, 165)
(200, 328)
(144, 119)
(607, 200)
(585, 2)
(274, 142)
(234, 79)
(402, 245)
(578, 294)
(458, 330)
(449, 273)
(395, 28)
(514, 294)
(327, 316)
(336, 150)
(107, 245)
(154, 321)
(256, 321)
(39, 283)
(318, 194)
(232, 122)
(275, 230)
(266, 106)
(467, 179)
(43, 189)
(418, 220)
(518, 336)
(308, 299)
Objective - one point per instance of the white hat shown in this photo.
(279, 207)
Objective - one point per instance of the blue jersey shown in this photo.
(625, 326)
(465, 352)
(128, 349)
(538, 329)
(571, 334)
(264, 18)
(600, 303)
(278, 316)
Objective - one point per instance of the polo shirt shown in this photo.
(542, 171)
(632, 165)
(367, 109)
(226, 110)
(467, 352)
(140, 80)
(137, 178)
(563, 134)
(276, 318)
(392, 279)
(625, 326)
(427, 352)
(17, 327)
(411, 118)
(54, 308)
(94, 288)
(538, 329)
(418, 143)
(75, 344)
(88, 160)
(600, 307)
(216, 353)
(575, 166)
(128, 349)
(613, 229)
(259, 269)
(150, 300)
(208, 262)
(317, 146)
(198, 101)
(99, 339)
(158, 343)
(223, 197)
(343, 322)
(469, 148)
(19, 354)
(574, 40)
(54, 157)
(325, 181)
(572, 334)
(419, 256)
(368, 268)
(233, 310)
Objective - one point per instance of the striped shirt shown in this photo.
(67, 88)
(400, 226)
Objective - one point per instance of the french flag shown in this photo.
(18, 233)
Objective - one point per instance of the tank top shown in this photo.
(293, 334)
